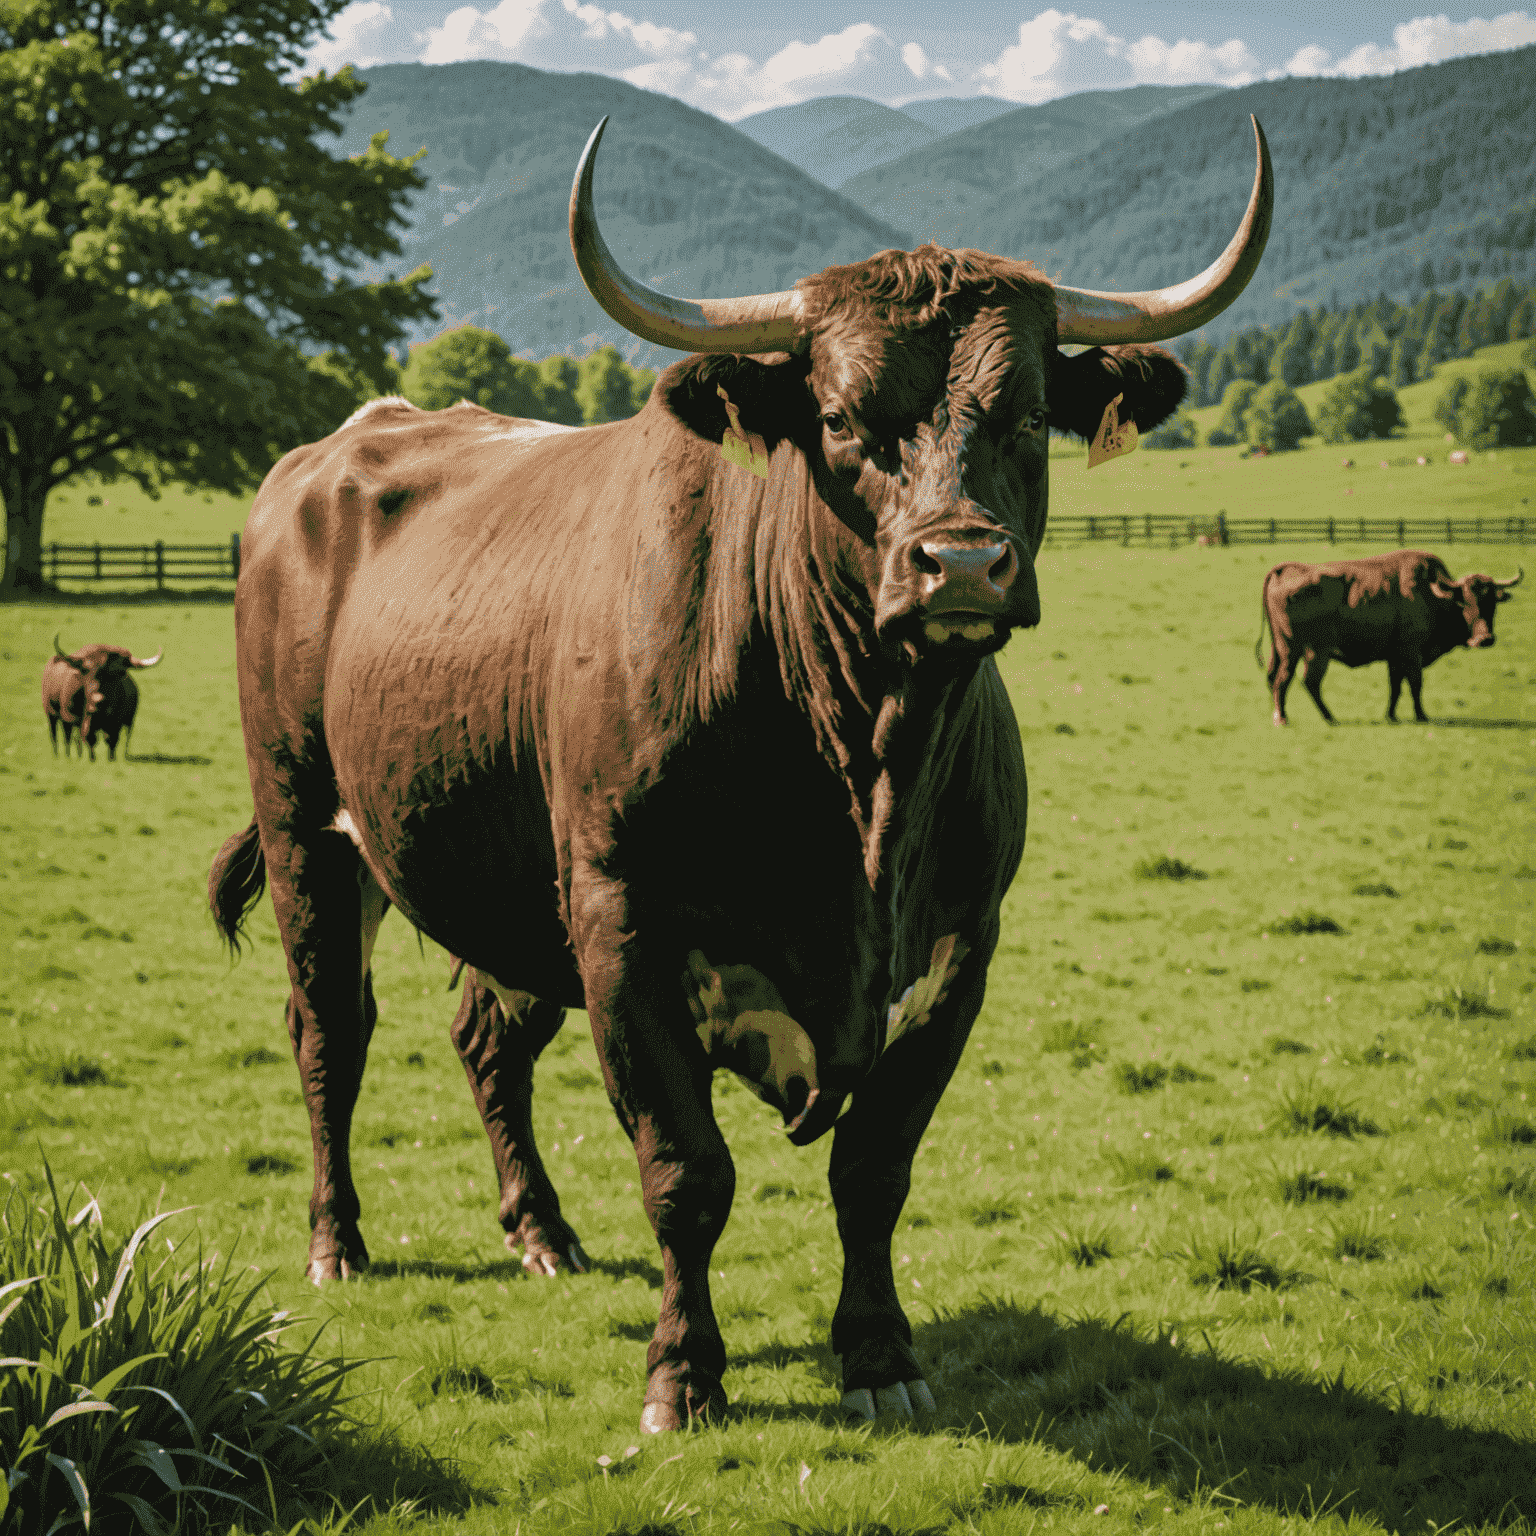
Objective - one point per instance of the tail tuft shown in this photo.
(235, 884)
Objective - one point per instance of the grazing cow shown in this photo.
(92, 690)
(1405, 609)
(691, 720)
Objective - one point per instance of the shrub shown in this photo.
(1357, 407)
(1498, 411)
(1276, 417)
(1234, 410)
(1177, 432)
(115, 1362)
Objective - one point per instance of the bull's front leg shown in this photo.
(499, 1034)
(658, 1079)
(871, 1173)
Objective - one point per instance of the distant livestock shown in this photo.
(1405, 609)
(92, 690)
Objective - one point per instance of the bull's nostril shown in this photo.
(1005, 568)
(926, 562)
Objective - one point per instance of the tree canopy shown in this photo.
(175, 248)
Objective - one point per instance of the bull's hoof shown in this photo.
(1280, 719)
(900, 1400)
(336, 1266)
(674, 1411)
(541, 1260)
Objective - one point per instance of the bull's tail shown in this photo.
(235, 884)
(1264, 624)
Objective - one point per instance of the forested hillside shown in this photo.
(1384, 185)
(687, 203)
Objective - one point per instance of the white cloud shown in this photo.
(1424, 40)
(499, 33)
(355, 32)
(921, 65)
(1059, 52)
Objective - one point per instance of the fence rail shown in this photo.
(1153, 530)
(158, 562)
(162, 563)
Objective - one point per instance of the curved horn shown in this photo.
(1083, 315)
(153, 661)
(58, 650)
(764, 322)
(1504, 586)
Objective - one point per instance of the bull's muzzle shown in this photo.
(963, 590)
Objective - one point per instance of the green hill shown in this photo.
(835, 137)
(1394, 184)
(688, 203)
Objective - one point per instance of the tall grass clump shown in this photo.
(145, 1392)
(1168, 869)
(1306, 921)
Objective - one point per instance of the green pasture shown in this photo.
(1226, 1222)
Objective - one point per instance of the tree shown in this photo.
(1234, 405)
(1358, 407)
(1498, 411)
(1276, 418)
(468, 363)
(559, 377)
(176, 248)
(603, 386)
(1448, 406)
(1177, 432)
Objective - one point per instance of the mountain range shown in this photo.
(1388, 184)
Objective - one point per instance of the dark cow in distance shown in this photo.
(714, 747)
(92, 690)
(1405, 609)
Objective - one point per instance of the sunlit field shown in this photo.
(1225, 1222)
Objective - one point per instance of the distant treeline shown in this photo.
(1399, 343)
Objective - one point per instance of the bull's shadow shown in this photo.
(1168, 1410)
(1449, 722)
(165, 759)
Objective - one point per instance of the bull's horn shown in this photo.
(1514, 582)
(764, 322)
(1083, 315)
(153, 661)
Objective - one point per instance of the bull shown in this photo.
(691, 720)
(92, 690)
(1405, 609)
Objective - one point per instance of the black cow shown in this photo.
(690, 720)
(92, 690)
(1405, 609)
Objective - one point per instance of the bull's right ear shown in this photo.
(1149, 381)
(771, 399)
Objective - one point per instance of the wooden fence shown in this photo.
(1150, 530)
(160, 563)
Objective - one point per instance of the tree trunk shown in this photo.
(24, 504)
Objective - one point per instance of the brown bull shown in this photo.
(92, 690)
(1405, 609)
(714, 748)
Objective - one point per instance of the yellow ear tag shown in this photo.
(1112, 439)
(740, 447)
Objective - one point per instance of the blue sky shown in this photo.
(739, 58)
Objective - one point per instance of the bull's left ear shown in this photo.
(1151, 380)
(771, 399)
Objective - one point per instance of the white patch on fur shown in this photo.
(375, 405)
(522, 429)
(344, 824)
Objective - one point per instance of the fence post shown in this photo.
(1149, 527)
(1450, 537)
(1362, 530)
(1125, 531)
(1093, 531)
(1271, 530)
(234, 555)
(98, 562)
(1479, 530)
(160, 563)
(1221, 528)
(1330, 530)
(1402, 537)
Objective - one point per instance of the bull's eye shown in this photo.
(1033, 422)
(836, 424)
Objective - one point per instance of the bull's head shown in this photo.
(921, 389)
(101, 665)
(1477, 598)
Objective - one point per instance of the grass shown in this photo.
(1323, 1394)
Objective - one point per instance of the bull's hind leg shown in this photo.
(499, 1034)
(328, 908)
(1312, 677)
(1282, 669)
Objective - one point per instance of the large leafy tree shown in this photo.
(177, 248)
